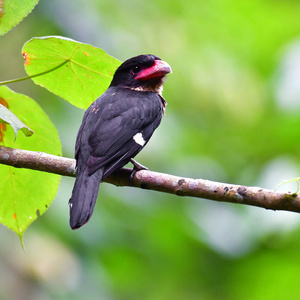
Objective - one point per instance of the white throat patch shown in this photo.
(138, 138)
(157, 89)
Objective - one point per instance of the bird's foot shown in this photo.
(136, 167)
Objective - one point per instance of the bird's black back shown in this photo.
(105, 139)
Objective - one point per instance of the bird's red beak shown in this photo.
(159, 69)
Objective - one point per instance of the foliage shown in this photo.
(24, 195)
(13, 12)
(7, 117)
(78, 73)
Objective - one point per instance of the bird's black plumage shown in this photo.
(115, 128)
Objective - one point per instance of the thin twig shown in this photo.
(166, 183)
(34, 75)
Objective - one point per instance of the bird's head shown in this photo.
(142, 73)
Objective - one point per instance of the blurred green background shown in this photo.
(233, 116)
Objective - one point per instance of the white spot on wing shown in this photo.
(138, 138)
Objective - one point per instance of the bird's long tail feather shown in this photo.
(84, 196)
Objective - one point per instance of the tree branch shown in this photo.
(166, 183)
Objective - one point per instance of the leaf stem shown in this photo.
(35, 75)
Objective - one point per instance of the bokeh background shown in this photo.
(233, 116)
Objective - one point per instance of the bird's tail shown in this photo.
(84, 196)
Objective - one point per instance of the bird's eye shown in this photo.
(136, 69)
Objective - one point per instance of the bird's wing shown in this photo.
(119, 128)
(78, 144)
(118, 157)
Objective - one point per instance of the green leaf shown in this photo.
(12, 12)
(79, 73)
(26, 194)
(9, 118)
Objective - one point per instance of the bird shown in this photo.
(115, 128)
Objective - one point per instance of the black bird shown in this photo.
(115, 128)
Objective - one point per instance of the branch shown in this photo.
(166, 183)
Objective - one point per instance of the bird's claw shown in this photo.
(136, 167)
